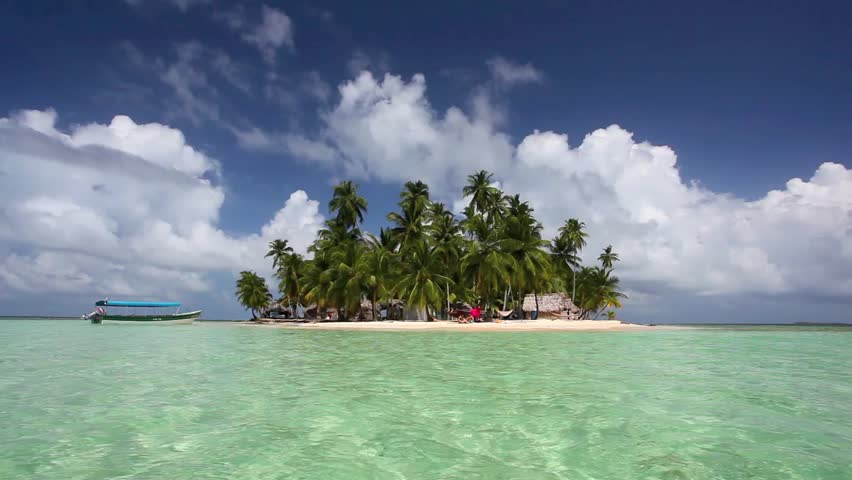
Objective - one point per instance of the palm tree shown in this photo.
(252, 292)
(317, 279)
(350, 207)
(290, 275)
(420, 285)
(278, 250)
(385, 240)
(375, 271)
(532, 265)
(445, 236)
(414, 197)
(574, 235)
(494, 247)
(484, 197)
(487, 264)
(410, 222)
(598, 291)
(347, 283)
(409, 228)
(563, 254)
(608, 257)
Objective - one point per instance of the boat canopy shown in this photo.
(125, 303)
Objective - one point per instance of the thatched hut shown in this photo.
(552, 305)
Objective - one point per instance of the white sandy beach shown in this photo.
(504, 326)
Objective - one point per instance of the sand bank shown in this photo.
(504, 326)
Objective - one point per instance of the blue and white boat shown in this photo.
(139, 313)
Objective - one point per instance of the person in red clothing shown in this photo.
(476, 313)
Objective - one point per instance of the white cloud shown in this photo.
(274, 31)
(103, 208)
(233, 72)
(189, 81)
(298, 145)
(387, 130)
(671, 234)
(507, 73)
(682, 236)
(62, 272)
(154, 142)
(192, 76)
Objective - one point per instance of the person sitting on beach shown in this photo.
(476, 313)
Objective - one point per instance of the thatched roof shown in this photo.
(549, 302)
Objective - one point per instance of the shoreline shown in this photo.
(541, 325)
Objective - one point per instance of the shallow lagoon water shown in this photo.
(221, 401)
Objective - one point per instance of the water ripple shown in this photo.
(217, 402)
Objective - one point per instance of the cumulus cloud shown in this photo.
(101, 208)
(672, 234)
(507, 73)
(387, 129)
(678, 235)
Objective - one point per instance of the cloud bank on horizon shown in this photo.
(122, 208)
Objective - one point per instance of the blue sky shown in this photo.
(270, 98)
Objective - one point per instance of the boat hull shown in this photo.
(180, 318)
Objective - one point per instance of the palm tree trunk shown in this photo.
(374, 306)
(535, 295)
(574, 288)
(448, 301)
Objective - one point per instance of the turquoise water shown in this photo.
(214, 401)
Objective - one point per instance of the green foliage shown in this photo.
(597, 290)
(429, 257)
(420, 285)
(252, 292)
(486, 199)
(278, 250)
(349, 206)
(608, 258)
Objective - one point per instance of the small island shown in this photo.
(486, 269)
